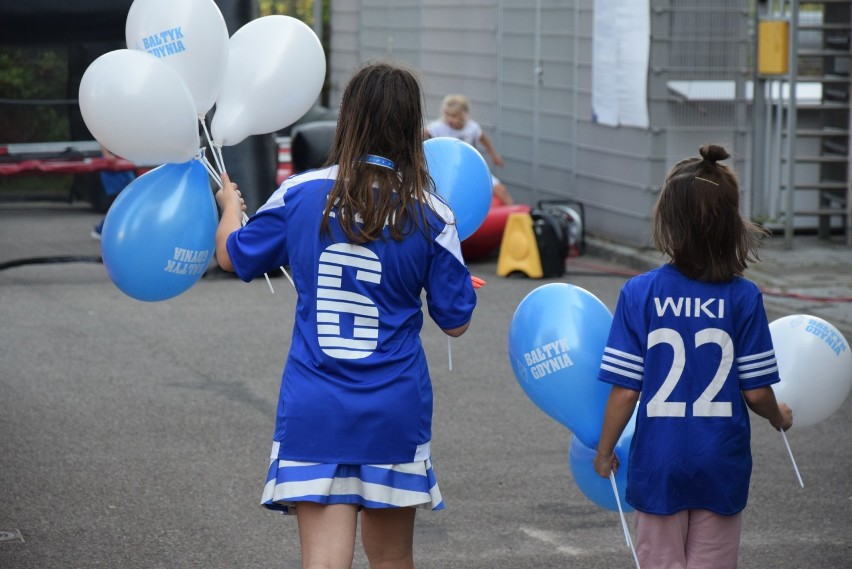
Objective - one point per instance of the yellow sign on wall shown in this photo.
(773, 47)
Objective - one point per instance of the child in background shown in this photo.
(456, 123)
(690, 342)
(363, 238)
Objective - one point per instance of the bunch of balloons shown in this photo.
(556, 341)
(145, 104)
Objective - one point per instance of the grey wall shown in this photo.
(526, 66)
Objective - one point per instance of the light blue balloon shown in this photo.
(591, 484)
(159, 234)
(556, 341)
(462, 178)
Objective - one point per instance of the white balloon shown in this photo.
(815, 365)
(139, 108)
(275, 72)
(189, 35)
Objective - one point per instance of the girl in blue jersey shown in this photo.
(690, 343)
(363, 237)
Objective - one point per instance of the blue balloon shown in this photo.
(159, 234)
(597, 489)
(556, 341)
(462, 178)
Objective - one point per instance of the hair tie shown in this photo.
(380, 161)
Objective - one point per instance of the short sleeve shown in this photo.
(623, 361)
(261, 245)
(755, 354)
(449, 292)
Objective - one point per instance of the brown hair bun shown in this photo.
(712, 153)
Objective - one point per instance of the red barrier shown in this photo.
(488, 237)
(83, 166)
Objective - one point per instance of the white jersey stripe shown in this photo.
(622, 363)
(624, 372)
(624, 355)
(743, 359)
(766, 371)
(756, 365)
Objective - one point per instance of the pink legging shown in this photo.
(689, 539)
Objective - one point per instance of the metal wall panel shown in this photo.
(345, 42)
(459, 54)
(526, 66)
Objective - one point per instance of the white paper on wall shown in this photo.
(621, 49)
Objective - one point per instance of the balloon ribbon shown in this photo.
(793, 460)
(623, 520)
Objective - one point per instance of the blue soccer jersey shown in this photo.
(356, 387)
(690, 348)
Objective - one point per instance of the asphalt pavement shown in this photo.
(137, 434)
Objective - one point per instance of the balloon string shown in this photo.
(217, 157)
(217, 152)
(793, 460)
(269, 283)
(210, 170)
(623, 520)
(450, 352)
(283, 270)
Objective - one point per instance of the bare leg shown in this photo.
(327, 535)
(388, 536)
(502, 194)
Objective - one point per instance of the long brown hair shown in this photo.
(381, 114)
(697, 220)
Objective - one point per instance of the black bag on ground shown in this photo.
(572, 215)
(549, 233)
(559, 232)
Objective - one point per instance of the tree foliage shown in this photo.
(29, 76)
(301, 9)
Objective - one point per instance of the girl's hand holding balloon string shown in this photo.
(231, 202)
(786, 418)
(230, 195)
(606, 463)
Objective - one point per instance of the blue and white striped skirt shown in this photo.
(368, 485)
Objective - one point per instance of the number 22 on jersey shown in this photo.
(660, 406)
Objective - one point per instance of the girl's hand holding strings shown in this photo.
(231, 201)
(233, 206)
(605, 463)
(786, 418)
(230, 195)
